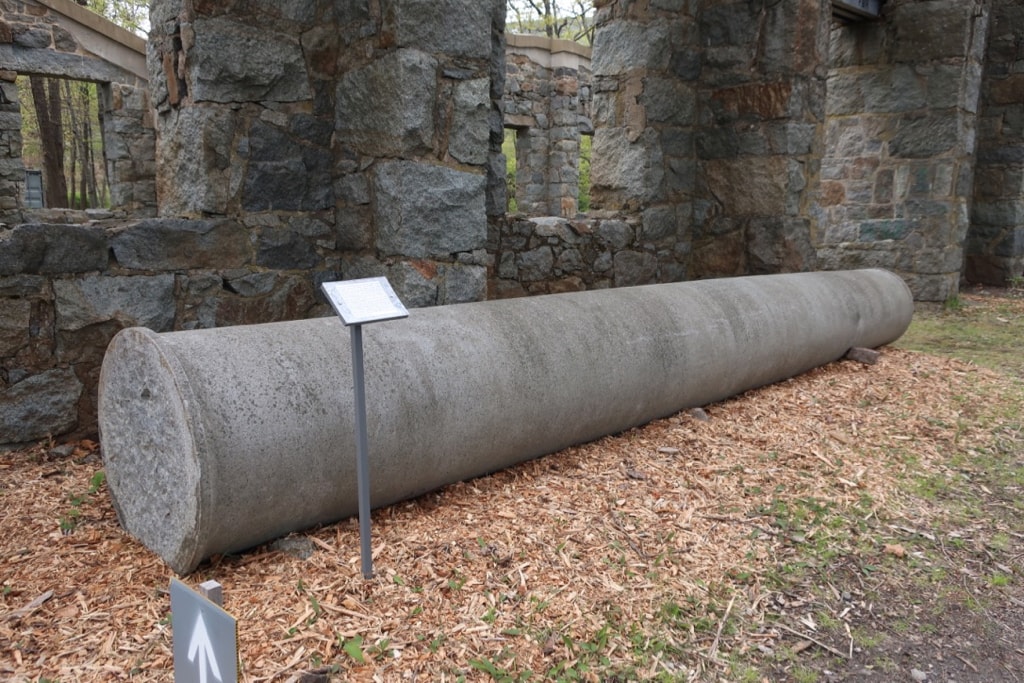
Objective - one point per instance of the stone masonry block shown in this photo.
(749, 185)
(629, 45)
(387, 107)
(170, 243)
(471, 127)
(234, 62)
(41, 405)
(925, 137)
(424, 210)
(145, 300)
(52, 248)
(454, 27)
(928, 31)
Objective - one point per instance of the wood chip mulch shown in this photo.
(612, 553)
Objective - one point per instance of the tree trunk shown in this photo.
(72, 172)
(46, 100)
(90, 95)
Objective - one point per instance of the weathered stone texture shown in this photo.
(550, 255)
(231, 62)
(423, 210)
(289, 170)
(428, 25)
(995, 241)
(201, 178)
(52, 248)
(304, 141)
(45, 404)
(625, 45)
(470, 128)
(172, 243)
(902, 103)
(146, 301)
(387, 107)
(761, 100)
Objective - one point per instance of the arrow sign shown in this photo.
(205, 638)
(203, 648)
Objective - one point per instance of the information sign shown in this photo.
(205, 638)
(357, 302)
(367, 300)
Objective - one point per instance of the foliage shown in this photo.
(566, 19)
(130, 14)
(988, 335)
(508, 148)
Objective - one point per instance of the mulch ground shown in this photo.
(649, 552)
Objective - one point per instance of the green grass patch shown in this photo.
(988, 335)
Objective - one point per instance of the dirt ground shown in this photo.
(859, 522)
(951, 626)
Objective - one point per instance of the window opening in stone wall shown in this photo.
(508, 148)
(62, 141)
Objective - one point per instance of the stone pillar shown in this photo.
(897, 171)
(995, 240)
(12, 170)
(129, 145)
(547, 107)
(627, 167)
(759, 134)
(644, 64)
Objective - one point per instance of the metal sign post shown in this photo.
(205, 637)
(357, 302)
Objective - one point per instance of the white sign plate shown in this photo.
(863, 8)
(367, 300)
(205, 638)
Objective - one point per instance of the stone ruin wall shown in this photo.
(902, 111)
(368, 142)
(361, 139)
(547, 246)
(995, 239)
(37, 40)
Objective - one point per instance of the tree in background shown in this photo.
(62, 123)
(49, 124)
(80, 106)
(130, 14)
(566, 19)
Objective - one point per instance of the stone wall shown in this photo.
(897, 172)
(308, 140)
(547, 102)
(596, 251)
(644, 112)
(760, 105)
(61, 39)
(12, 171)
(363, 136)
(995, 244)
(67, 288)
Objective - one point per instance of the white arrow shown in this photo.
(200, 645)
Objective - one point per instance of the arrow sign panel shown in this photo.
(205, 638)
(201, 647)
